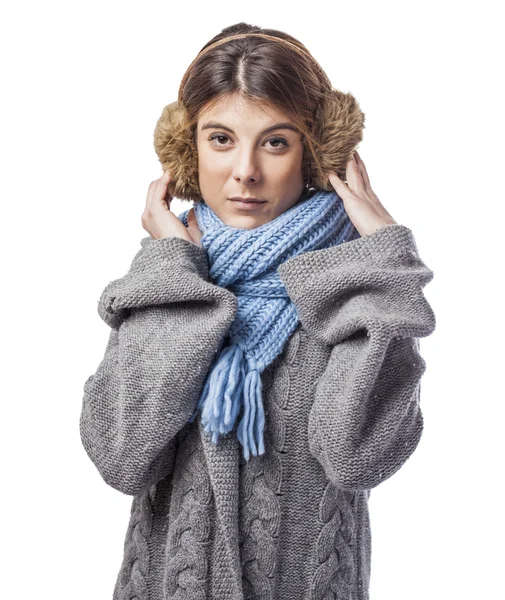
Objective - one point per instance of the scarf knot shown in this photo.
(245, 261)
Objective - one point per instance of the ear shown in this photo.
(177, 152)
(339, 128)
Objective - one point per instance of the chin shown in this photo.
(243, 221)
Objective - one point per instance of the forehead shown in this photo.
(238, 110)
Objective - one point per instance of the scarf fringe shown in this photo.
(227, 388)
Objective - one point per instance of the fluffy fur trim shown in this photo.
(339, 129)
(176, 150)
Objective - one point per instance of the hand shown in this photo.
(160, 222)
(360, 202)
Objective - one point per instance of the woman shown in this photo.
(263, 369)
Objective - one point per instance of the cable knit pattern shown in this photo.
(336, 545)
(131, 582)
(261, 484)
(342, 408)
(260, 518)
(190, 526)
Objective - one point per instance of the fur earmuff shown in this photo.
(338, 130)
(176, 150)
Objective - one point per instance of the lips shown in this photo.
(247, 200)
(247, 204)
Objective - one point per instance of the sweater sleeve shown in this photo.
(167, 322)
(364, 299)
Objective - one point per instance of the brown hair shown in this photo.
(281, 73)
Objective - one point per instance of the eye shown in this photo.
(274, 140)
(282, 140)
(218, 135)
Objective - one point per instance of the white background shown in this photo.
(83, 86)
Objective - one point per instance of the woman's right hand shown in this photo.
(159, 221)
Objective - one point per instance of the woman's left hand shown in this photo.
(360, 202)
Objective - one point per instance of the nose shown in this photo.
(246, 168)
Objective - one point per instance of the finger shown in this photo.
(339, 186)
(192, 221)
(354, 178)
(193, 228)
(364, 172)
(152, 191)
(167, 196)
(161, 196)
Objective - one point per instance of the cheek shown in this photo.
(208, 162)
(291, 162)
(202, 159)
(286, 169)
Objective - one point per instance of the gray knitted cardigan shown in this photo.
(342, 415)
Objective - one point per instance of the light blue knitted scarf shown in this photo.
(245, 261)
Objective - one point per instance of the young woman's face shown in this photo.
(236, 157)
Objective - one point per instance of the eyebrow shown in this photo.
(214, 125)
